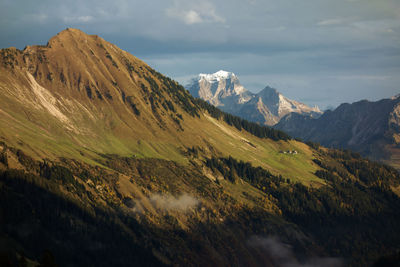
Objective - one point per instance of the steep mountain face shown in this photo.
(80, 96)
(84, 91)
(221, 85)
(106, 162)
(371, 128)
(223, 90)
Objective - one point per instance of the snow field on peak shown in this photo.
(217, 76)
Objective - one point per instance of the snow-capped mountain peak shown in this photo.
(218, 88)
(223, 89)
(217, 76)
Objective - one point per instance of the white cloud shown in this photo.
(363, 77)
(163, 202)
(166, 202)
(192, 17)
(331, 22)
(194, 12)
(78, 19)
(377, 27)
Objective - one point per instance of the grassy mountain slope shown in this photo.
(80, 95)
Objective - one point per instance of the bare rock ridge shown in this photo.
(223, 89)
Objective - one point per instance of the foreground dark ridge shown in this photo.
(70, 208)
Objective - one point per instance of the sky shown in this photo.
(320, 52)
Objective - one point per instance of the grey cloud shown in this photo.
(78, 19)
(317, 77)
(297, 48)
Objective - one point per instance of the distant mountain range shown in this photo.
(371, 128)
(223, 90)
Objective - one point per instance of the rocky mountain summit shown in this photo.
(223, 90)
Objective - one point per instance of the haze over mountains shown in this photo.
(223, 90)
(106, 162)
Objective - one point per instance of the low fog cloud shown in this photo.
(167, 202)
(279, 254)
(163, 202)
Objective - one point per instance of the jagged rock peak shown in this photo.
(69, 34)
(73, 36)
(218, 88)
(269, 90)
(224, 90)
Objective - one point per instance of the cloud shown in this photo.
(166, 202)
(377, 27)
(334, 22)
(192, 17)
(297, 50)
(194, 13)
(77, 19)
(315, 76)
(281, 255)
(38, 17)
(162, 202)
(252, 2)
(329, 22)
(363, 77)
